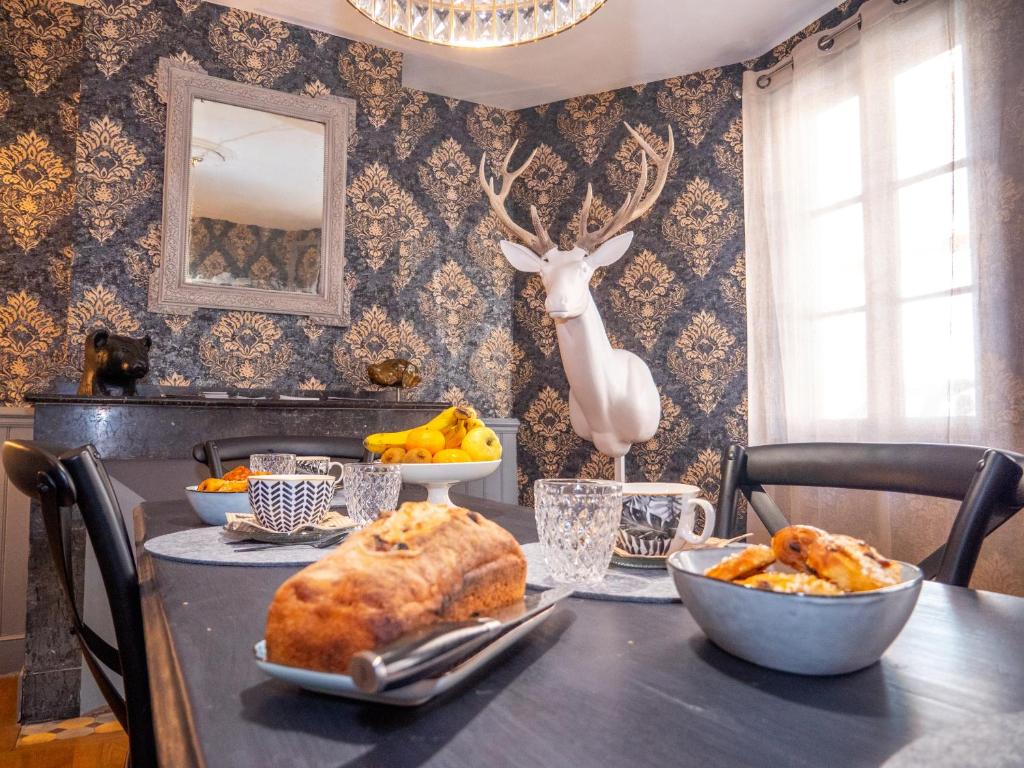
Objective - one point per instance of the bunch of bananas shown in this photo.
(454, 423)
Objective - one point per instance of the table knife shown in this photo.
(433, 650)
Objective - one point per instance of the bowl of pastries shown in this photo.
(216, 497)
(813, 602)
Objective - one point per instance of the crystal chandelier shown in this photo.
(477, 23)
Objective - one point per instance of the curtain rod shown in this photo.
(825, 43)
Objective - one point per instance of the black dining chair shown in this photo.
(987, 483)
(213, 453)
(59, 480)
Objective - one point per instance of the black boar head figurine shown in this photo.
(112, 360)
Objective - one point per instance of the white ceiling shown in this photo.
(625, 43)
(277, 160)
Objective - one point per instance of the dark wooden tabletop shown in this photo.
(598, 684)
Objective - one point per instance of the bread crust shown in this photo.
(417, 566)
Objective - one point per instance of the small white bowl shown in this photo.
(286, 502)
(805, 634)
(213, 508)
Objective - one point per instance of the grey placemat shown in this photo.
(209, 546)
(992, 742)
(627, 585)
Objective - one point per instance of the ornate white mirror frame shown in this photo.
(169, 290)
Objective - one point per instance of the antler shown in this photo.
(636, 203)
(537, 241)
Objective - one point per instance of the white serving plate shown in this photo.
(411, 695)
(438, 478)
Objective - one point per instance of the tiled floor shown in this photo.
(83, 742)
(41, 733)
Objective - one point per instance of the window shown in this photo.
(889, 283)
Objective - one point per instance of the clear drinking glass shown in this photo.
(371, 489)
(273, 463)
(577, 521)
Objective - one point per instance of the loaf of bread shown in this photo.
(417, 566)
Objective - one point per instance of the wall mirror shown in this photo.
(254, 199)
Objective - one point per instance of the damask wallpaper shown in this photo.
(424, 285)
(228, 253)
(78, 109)
(676, 299)
(40, 47)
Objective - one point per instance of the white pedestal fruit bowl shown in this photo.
(439, 478)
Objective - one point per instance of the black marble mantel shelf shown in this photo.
(333, 403)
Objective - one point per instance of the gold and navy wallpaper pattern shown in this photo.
(41, 42)
(676, 299)
(81, 156)
(78, 92)
(226, 252)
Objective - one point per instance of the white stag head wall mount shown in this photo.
(613, 401)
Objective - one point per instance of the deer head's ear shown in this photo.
(611, 251)
(520, 257)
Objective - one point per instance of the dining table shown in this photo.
(599, 683)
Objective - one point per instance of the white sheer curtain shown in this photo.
(878, 182)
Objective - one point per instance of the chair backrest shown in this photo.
(987, 482)
(213, 453)
(58, 480)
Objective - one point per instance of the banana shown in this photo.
(455, 434)
(449, 417)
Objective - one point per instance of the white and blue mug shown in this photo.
(654, 515)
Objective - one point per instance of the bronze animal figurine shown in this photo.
(396, 372)
(112, 360)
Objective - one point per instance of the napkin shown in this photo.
(247, 526)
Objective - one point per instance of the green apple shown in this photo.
(482, 444)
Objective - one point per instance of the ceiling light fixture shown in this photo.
(477, 23)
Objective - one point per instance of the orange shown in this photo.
(451, 456)
(417, 456)
(431, 440)
(393, 455)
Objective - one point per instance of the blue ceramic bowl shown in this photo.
(806, 634)
(213, 508)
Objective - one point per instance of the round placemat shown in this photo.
(632, 586)
(209, 546)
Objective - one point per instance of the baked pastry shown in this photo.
(219, 485)
(240, 472)
(420, 565)
(792, 583)
(747, 562)
(852, 564)
(790, 545)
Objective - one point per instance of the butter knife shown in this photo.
(433, 650)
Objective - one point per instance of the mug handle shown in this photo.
(341, 471)
(709, 522)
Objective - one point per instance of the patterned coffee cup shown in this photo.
(656, 514)
(286, 502)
